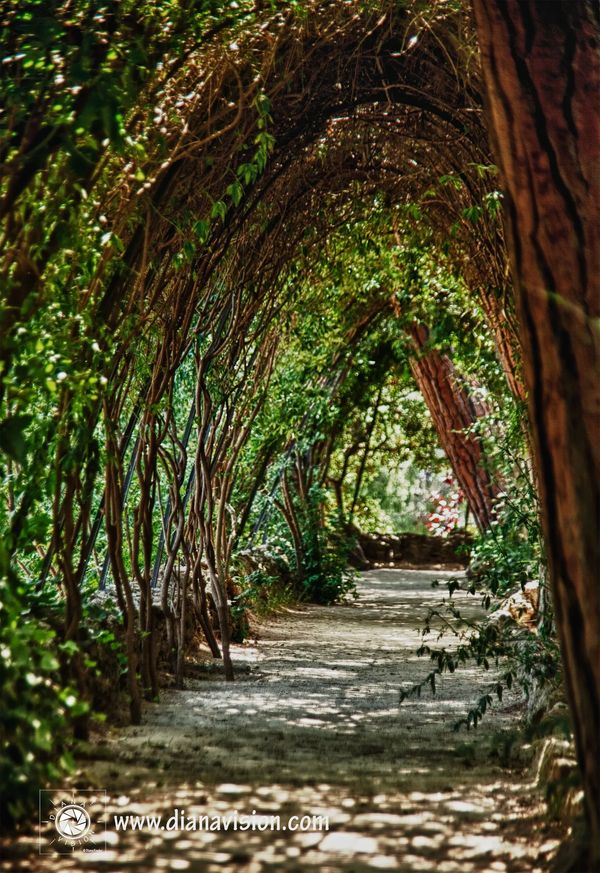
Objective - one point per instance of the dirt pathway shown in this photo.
(313, 728)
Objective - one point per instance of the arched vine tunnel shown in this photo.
(237, 242)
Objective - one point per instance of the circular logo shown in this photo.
(73, 822)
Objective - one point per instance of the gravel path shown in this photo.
(313, 727)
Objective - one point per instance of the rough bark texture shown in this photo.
(541, 69)
(453, 411)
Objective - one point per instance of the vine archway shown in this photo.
(197, 173)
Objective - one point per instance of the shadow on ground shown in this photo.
(313, 727)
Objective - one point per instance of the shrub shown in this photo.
(36, 712)
(326, 576)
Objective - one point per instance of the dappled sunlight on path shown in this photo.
(313, 727)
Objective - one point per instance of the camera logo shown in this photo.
(72, 821)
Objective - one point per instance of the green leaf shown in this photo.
(69, 647)
(189, 250)
(236, 192)
(247, 172)
(202, 230)
(472, 214)
(219, 210)
(263, 104)
(48, 663)
(78, 709)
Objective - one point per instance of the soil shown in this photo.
(313, 726)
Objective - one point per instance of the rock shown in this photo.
(521, 606)
(558, 774)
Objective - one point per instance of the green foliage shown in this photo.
(511, 653)
(324, 576)
(262, 593)
(36, 712)
(503, 559)
(510, 552)
(102, 627)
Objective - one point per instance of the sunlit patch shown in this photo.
(348, 843)
(463, 806)
(230, 788)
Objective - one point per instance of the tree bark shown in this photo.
(453, 412)
(541, 72)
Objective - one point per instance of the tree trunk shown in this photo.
(541, 70)
(453, 411)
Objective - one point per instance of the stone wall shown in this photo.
(409, 549)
